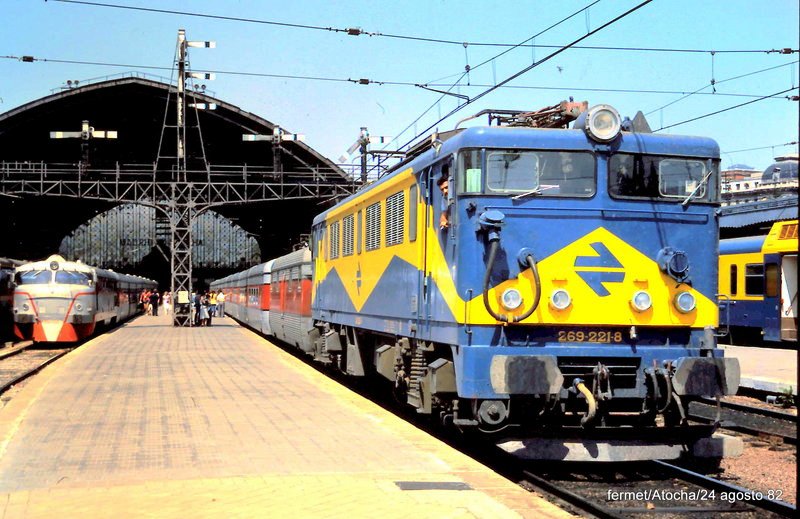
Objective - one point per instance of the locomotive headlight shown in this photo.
(511, 299)
(641, 301)
(685, 302)
(603, 123)
(78, 307)
(560, 299)
(25, 307)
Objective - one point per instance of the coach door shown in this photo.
(788, 315)
(772, 292)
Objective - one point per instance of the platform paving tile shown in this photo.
(156, 421)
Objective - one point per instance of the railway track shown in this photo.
(666, 490)
(756, 421)
(24, 360)
(651, 489)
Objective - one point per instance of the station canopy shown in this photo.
(128, 115)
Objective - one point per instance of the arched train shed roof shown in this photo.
(135, 108)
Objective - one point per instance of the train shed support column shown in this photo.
(181, 214)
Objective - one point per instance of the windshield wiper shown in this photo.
(537, 191)
(702, 183)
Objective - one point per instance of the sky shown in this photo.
(329, 110)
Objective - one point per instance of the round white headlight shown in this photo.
(641, 301)
(603, 123)
(685, 302)
(560, 299)
(78, 307)
(511, 299)
(25, 307)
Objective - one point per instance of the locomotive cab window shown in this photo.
(543, 173)
(470, 173)
(651, 176)
(32, 277)
(73, 278)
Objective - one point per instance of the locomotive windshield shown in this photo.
(32, 277)
(545, 173)
(67, 277)
(648, 176)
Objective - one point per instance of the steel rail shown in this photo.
(5, 387)
(764, 411)
(16, 349)
(779, 507)
(572, 498)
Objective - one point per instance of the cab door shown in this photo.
(427, 184)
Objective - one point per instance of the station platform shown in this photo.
(150, 420)
(766, 369)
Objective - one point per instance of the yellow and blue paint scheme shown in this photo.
(600, 248)
(753, 274)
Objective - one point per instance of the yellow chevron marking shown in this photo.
(588, 307)
(557, 271)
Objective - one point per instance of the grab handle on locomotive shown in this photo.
(490, 222)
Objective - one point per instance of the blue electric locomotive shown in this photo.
(554, 287)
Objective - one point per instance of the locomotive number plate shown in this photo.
(598, 336)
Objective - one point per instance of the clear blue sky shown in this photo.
(329, 113)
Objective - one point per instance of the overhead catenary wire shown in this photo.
(528, 68)
(402, 83)
(793, 143)
(467, 70)
(387, 82)
(699, 90)
(353, 31)
(726, 109)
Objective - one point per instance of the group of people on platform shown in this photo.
(207, 305)
(151, 300)
(204, 306)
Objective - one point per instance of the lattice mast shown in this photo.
(182, 206)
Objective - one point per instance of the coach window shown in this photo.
(734, 280)
(754, 280)
(296, 279)
(772, 280)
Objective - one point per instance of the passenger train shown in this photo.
(64, 301)
(758, 281)
(552, 288)
(7, 266)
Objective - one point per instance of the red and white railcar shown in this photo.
(64, 301)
